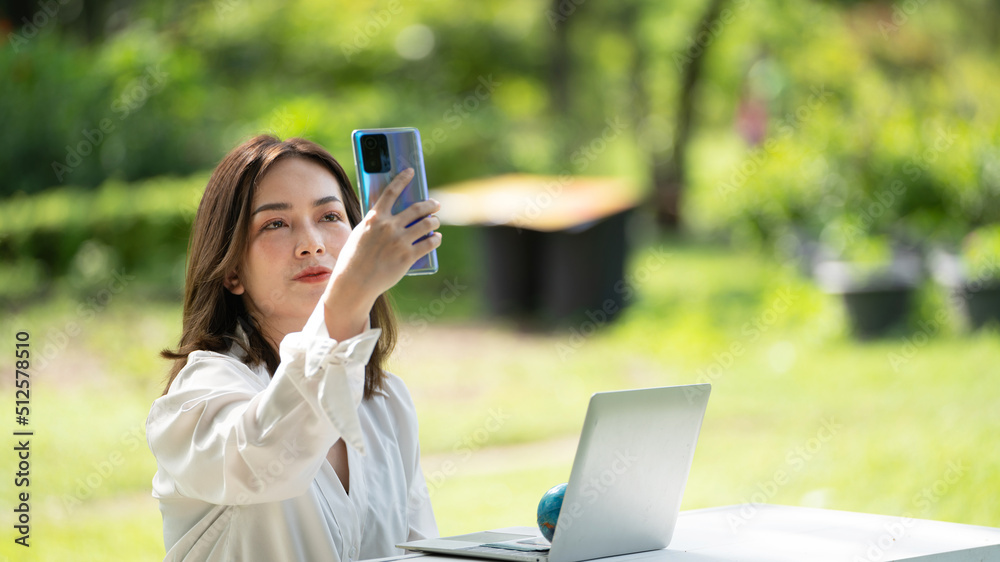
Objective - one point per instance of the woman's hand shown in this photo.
(377, 254)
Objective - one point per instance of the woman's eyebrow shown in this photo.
(285, 206)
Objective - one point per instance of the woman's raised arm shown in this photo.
(375, 257)
(225, 436)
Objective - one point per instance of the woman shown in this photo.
(280, 436)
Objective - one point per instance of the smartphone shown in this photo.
(381, 154)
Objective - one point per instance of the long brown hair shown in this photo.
(218, 245)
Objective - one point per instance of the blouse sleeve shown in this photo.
(226, 437)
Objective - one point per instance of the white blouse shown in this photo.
(241, 457)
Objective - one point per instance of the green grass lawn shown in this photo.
(800, 413)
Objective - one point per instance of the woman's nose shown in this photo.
(310, 243)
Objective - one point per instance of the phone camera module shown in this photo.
(375, 154)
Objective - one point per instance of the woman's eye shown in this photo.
(276, 223)
(330, 217)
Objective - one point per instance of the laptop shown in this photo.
(625, 488)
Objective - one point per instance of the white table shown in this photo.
(775, 533)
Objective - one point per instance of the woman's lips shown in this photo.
(314, 278)
(314, 275)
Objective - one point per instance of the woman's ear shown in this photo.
(232, 282)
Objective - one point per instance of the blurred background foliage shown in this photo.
(758, 131)
(805, 119)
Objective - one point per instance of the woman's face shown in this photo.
(297, 228)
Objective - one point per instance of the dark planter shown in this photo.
(981, 303)
(977, 300)
(874, 313)
(877, 300)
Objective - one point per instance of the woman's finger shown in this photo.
(424, 247)
(388, 197)
(423, 227)
(418, 210)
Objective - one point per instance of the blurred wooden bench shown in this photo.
(555, 246)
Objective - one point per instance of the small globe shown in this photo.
(548, 510)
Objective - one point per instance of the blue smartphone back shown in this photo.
(379, 156)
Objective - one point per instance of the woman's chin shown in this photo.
(309, 291)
